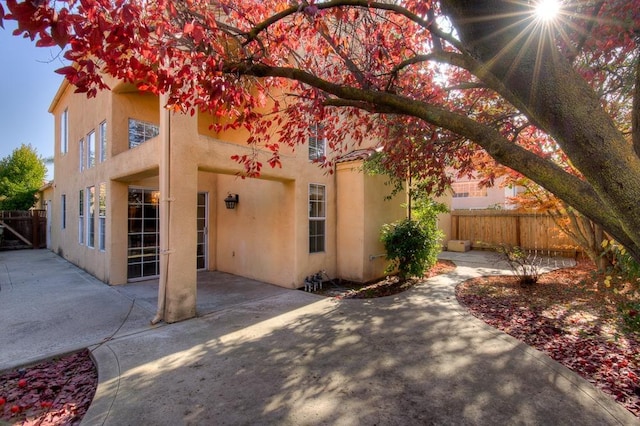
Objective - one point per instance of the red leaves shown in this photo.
(581, 345)
(51, 393)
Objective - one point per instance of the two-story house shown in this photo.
(140, 192)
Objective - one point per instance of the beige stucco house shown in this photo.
(139, 193)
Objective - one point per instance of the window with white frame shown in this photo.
(91, 149)
(468, 189)
(103, 141)
(102, 215)
(81, 153)
(64, 132)
(91, 216)
(63, 211)
(317, 142)
(81, 216)
(140, 132)
(317, 218)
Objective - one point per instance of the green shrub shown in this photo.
(630, 312)
(410, 247)
(623, 264)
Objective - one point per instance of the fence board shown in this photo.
(490, 228)
(31, 225)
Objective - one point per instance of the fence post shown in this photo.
(35, 230)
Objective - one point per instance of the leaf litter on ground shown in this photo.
(571, 315)
(53, 392)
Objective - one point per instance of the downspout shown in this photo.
(165, 206)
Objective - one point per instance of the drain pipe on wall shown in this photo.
(165, 206)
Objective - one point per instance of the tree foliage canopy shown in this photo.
(555, 100)
(21, 174)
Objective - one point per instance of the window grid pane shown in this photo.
(317, 214)
(317, 142)
(468, 189)
(102, 216)
(81, 150)
(63, 207)
(64, 132)
(103, 141)
(140, 132)
(91, 149)
(91, 195)
(81, 216)
(143, 254)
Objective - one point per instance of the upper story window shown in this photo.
(91, 149)
(140, 131)
(64, 132)
(317, 142)
(102, 129)
(81, 152)
(468, 189)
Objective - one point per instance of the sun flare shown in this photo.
(547, 10)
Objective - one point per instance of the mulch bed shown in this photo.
(573, 316)
(387, 287)
(54, 392)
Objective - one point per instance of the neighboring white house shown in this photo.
(467, 194)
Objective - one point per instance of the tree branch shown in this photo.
(568, 187)
(635, 110)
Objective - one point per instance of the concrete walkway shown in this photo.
(296, 359)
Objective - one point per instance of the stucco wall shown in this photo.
(266, 237)
(362, 210)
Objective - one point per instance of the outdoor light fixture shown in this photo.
(231, 201)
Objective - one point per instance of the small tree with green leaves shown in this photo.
(21, 174)
(412, 246)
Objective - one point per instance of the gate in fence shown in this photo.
(23, 229)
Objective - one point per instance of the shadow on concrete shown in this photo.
(413, 359)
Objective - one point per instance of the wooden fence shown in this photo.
(23, 229)
(491, 228)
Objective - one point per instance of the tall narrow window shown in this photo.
(103, 141)
(317, 142)
(140, 131)
(81, 153)
(317, 218)
(91, 216)
(102, 215)
(64, 131)
(81, 216)
(91, 149)
(63, 210)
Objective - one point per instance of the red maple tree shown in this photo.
(486, 74)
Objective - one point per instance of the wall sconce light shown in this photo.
(231, 201)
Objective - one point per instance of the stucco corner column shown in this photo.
(178, 233)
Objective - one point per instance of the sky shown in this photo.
(28, 84)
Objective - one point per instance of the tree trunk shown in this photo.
(559, 101)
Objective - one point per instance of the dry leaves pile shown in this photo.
(571, 316)
(55, 392)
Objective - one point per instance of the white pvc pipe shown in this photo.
(165, 206)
